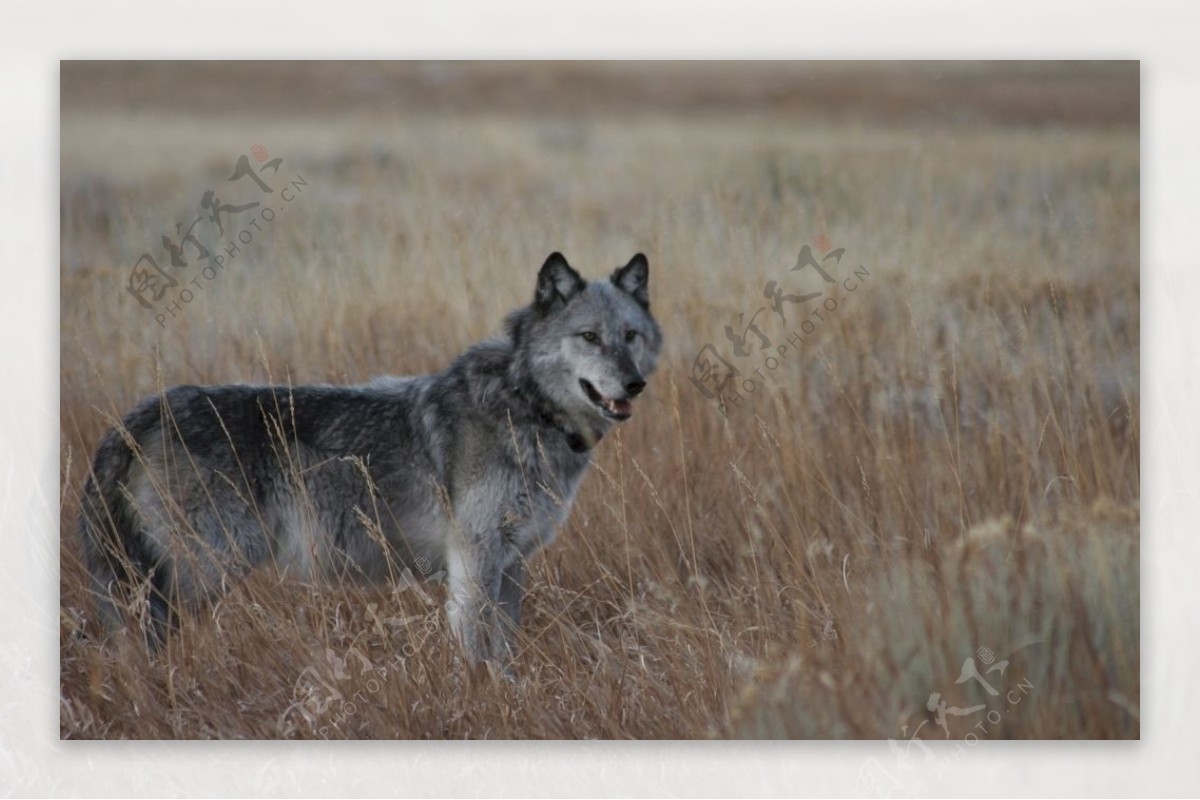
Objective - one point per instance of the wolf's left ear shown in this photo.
(556, 283)
(634, 279)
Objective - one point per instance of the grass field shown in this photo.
(942, 468)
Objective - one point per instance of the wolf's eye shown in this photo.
(588, 336)
(630, 335)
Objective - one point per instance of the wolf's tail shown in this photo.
(128, 577)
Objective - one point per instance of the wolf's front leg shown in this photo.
(466, 598)
(512, 589)
(483, 601)
(508, 605)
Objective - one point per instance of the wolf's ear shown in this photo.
(634, 278)
(556, 282)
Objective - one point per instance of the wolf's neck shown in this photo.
(532, 399)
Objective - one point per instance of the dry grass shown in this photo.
(948, 462)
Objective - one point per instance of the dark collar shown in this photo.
(544, 411)
(580, 443)
(578, 440)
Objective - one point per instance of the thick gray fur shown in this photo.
(470, 470)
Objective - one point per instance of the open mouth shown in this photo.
(615, 409)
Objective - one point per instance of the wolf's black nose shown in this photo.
(635, 388)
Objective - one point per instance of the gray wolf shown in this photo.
(468, 471)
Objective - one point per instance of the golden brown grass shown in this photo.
(949, 462)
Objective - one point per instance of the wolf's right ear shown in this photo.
(634, 279)
(556, 283)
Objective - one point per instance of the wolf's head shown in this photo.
(589, 346)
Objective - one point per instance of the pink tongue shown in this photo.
(620, 406)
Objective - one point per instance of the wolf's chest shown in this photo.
(540, 501)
